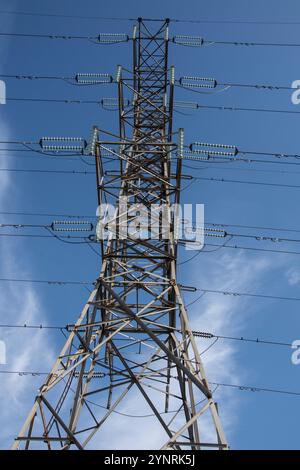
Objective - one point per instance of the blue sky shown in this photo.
(252, 420)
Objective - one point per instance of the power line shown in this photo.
(58, 226)
(87, 240)
(58, 157)
(194, 41)
(208, 151)
(79, 17)
(209, 154)
(250, 388)
(237, 247)
(201, 334)
(246, 388)
(20, 142)
(13, 150)
(223, 180)
(207, 231)
(45, 214)
(56, 282)
(247, 294)
(84, 172)
(263, 237)
(200, 150)
(21, 225)
(178, 84)
(100, 39)
(277, 229)
(250, 22)
(174, 20)
(233, 85)
(36, 77)
(38, 155)
(236, 108)
(68, 215)
(248, 170)
(23, 373)
(218, 165)
(206, 335)
(210, 231)
(97, 40)
(195, 105)
(52, 236)
(52, 100)
(250, 43)
(87, 216)
(61, 282)
(34, 170)
(45, 36)
(34, 327)
(84, 79)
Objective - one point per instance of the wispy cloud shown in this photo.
(293, 275)
(25, 350)
(133, 432)
(225, 315)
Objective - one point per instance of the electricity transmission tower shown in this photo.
(136, 301)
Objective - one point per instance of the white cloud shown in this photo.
(131, 432)
(293, 276)
(225, 315)
(25, 350)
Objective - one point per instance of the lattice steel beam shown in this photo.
(136, 302)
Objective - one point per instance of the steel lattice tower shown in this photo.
(136, 292)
